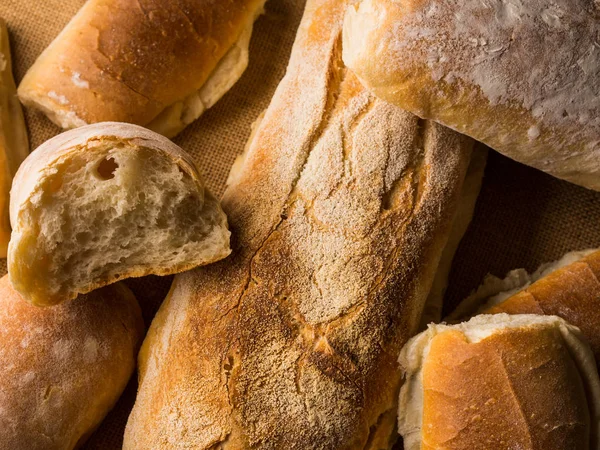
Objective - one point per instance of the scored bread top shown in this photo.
(339, 214)
(127, 60)
(500, 381)
(522, 77)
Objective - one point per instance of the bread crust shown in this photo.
(14, 145)
(339, 214)
(500, 382)
(45, 161)
(521, 77)
(128, 60)
(63, 368)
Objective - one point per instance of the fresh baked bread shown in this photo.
(464, 213)
(340, 211)
(500, 382)
(568, 288)
(522, 77)
(155, 63)
(64, 367)
(14, 145)
(106, 202)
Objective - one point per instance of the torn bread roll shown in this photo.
(154, 63)
(106, 202)
(568, 288)
(14, 145)
(522, 77)
(63, 368)
(500, 382)
(340, 211)
(433, 311)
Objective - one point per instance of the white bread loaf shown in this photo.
(155, 63)
(14, 145)
(520, 76)
(340, 210)
(106, 202)
(500, 382)
(64, 367)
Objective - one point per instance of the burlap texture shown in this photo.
(523, 217)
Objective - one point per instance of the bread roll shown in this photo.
(14, 145)
(339, 210)
(464, 213)
(500, 382)
(63, 368)
(106, 202)
(155, 63)
(522, 77)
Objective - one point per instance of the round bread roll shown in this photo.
(63, 368)
(499, 382)
(106, 202)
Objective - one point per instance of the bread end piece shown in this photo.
(14, 145)
(496, 380)
(107, 202)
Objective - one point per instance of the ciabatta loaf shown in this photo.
(500, 382)
(14, 144)
(521, 76)
(339, 210)
(157, 63)
(106, 202)
(64, 367)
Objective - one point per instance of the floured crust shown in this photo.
(63, 368)
(128, 61)
(499, 381)
(522, 77)
(339, 213)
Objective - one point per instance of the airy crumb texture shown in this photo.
(499, 381)
(64, 367)
(106, 210)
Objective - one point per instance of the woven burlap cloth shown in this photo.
(523, 217)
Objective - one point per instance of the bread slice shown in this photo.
(501, 382)
(106, 202)
(63, 367)
(14, 145)
(156, 63)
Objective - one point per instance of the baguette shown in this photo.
(154, 63)
(521, 77)
(63, 368)
(500, 382)
(107, 202)
(339, 210)
(14, 144)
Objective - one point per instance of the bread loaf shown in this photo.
(500, 382)
(339, 211)
(522, 77)
(14, 145)
(64, 367)
(106, 202)
(155, 63)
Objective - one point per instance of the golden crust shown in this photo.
(339, 216)
(520, 77)
(64, 367)
(128, 60)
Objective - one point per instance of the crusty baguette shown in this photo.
(522, 77)
(500, 382)
(14, 144)
(433, 310)
(340, 211)
(106, 202)
(155, 63)
(63, 368)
